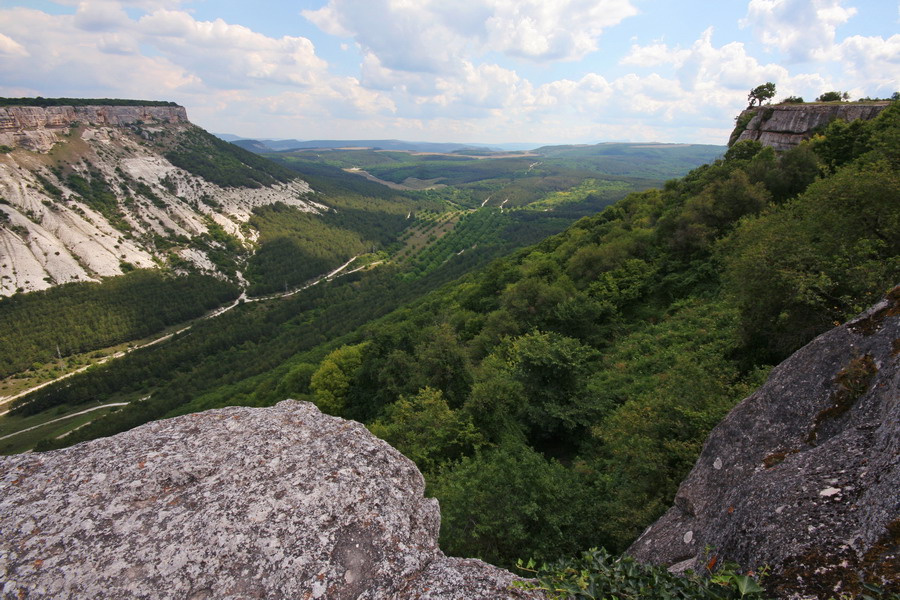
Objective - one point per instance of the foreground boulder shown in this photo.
(804, 475)
(281, 502)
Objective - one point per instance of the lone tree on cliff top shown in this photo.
(762, 92)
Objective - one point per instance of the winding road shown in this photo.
(92, 409)
(7, 400)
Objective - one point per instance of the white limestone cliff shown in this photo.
(50, 238)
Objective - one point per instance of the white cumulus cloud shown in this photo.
(226, 55)
(801, 29)
(56, 57)
(10, 47)
(433, 35)
(561, 30)
(870, 62)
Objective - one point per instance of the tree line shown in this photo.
(44, 102)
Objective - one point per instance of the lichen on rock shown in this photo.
(281, 502)
(810, 469)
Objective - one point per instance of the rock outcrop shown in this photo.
(784, 126)
(51, 234)
(803, 475)
(35, 127)
(281, 502)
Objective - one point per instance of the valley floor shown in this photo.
(21, 384)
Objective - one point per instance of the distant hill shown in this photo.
(252, 146)
(266, 145)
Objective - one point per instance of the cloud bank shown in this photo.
(471, 70)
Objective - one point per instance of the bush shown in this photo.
(596, 574)
(833, 97)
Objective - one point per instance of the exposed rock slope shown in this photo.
(804, 474)
(784, 126)
(35, 128)
(142, 209)
(281, 502)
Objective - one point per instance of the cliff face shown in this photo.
(281, 502)
(36, 128)
(803, 475)
(784, 126)
(86, 191)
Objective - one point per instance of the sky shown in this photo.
(489, 71)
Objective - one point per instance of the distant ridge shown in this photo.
(251, 145)
(266, 145)
(139, 187)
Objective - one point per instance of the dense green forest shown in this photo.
(360, 217)
(217, 161)
(555, 398)
(80, 317)
(292, 246)
(573, 384)
(295, 247)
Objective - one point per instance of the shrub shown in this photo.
(596, 574)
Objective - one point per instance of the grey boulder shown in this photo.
(281, 502)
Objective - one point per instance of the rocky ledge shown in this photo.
(281, 502)
(784, 126)
(803, 475)
(38, 128)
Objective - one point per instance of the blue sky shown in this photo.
(541, 71)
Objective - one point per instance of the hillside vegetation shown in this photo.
(219, 162)
(555, 398)
(80, 317)
(196, 223)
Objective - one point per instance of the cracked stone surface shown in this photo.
(804, 474)
(281, 502)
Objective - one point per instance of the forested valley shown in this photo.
(285, 247)
(553, 397)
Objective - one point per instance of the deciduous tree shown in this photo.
(761, 93)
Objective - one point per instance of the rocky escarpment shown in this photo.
(803, 475)
(87, 192)
(281, 502)
(36, 128)
(784, 126)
